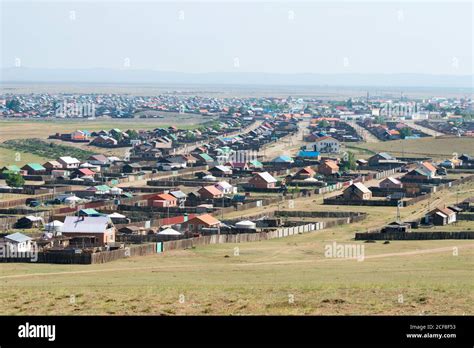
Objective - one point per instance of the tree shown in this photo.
(349, 103)
(405, 132)
(117, 136)
(14, 180)
(349, 162)
(380, 120)
(132, 134)
(190, 136)
(323, 124)
(13, 104)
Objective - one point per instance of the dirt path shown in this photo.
(287, 146)
(363, 133)
(428, 131)
(189, 149)
(289, 262)
(377, 256)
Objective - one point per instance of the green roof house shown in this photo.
(34, 168)
(10, 169)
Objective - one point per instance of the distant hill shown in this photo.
(234, 78)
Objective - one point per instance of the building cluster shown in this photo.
(175, 184)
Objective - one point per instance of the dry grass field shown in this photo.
(26, 129)
(8, 157)
(15, 129)
(437, 148)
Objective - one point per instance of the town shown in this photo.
(248, 172)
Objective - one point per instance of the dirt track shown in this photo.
(168, 267)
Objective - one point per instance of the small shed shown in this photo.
(246, 224)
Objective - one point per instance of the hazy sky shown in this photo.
(200, 36)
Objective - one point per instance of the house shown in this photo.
(130, 168)
(83, 172)
(79, 135)
(180, 196)
(165, 200)
(34, 169)
(391, 183)
(221, 171)
(416, 174)
(99, 189)
(105, 141)
(328, 167)
(283, 159)
(68, 162)
(99, 160)
(13, 169)
(174, 162)
(255, 164)
(357, 191)
(325, 144)
(29, 221)
(98, 229)
(466, 158)
(89, 212)
(53, 165)
(130, 229)
(428, 168)
(262, 180)
(397, 227)
(309, 154)
(226, 188)
(238, 165)
(449, 163)
(305, 173)
(190, 159)
(204, 158)
(18, 242)
(196, 224)
(118, 218)
(441, 216)
(380, 159)
(210, 192)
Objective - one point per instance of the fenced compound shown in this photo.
(156, 244)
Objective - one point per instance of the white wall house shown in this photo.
(325, 145)
(18, 242)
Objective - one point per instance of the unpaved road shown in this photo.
(364, 133)
(168, 267)
(428, 131)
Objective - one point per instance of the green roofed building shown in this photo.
(205, 157)
(256, 164)
(89, 212)
(102, 188)
(34, 168)
(10, 169)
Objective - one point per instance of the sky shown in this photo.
(271, 37)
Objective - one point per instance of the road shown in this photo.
(448, 249)
(190, 148)
(428, 131)
(287, 146)
(363, 133)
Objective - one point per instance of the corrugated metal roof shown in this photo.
(267, 177)
(18, 237)
(86, 224)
